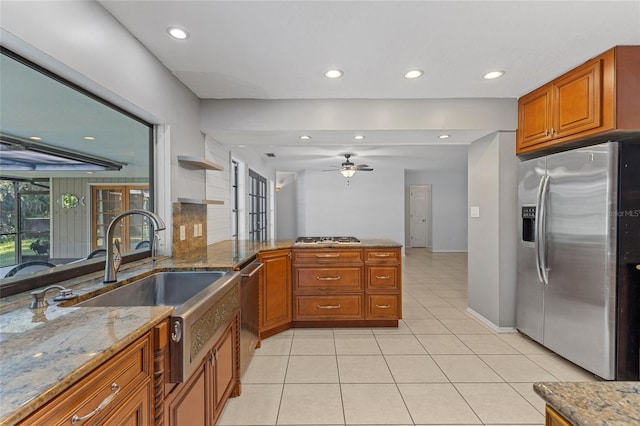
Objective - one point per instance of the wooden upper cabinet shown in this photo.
(534, 117)
(595, 102)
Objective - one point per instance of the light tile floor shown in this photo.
(439, 367)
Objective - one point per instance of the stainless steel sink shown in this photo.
(204, 301)
(159, 289)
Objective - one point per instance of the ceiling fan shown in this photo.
(348, 168)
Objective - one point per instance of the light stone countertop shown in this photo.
(43, 352)
(593, 403)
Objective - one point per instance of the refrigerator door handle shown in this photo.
(543, 230)
(536, 236)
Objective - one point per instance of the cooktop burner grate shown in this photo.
(315, 240)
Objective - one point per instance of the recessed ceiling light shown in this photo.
(305, 137)
(90, 173)
(444, 136)
(411, 74)
(358, 137)
(35, 138)
(493, 75)
(178, 33)
(89, 138)
(336, 73)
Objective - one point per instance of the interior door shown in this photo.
(419, 201)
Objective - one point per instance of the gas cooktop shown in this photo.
(320, 240)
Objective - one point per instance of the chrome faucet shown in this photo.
(39, 300)
(112, 263)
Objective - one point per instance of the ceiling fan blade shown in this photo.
(368, 169)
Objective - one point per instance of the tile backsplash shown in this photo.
(190, 220)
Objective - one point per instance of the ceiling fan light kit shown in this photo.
(348, 168)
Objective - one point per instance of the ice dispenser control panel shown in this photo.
(528, 223)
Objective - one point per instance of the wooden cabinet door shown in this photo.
(224, 372)
(275, 289)
(534, 117)
(188, 404)
(577, 100)
(553, 418)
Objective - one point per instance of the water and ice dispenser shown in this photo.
(528, 223)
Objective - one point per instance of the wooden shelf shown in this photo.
(198, 201)
(198, 163)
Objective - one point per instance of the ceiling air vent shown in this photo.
(270, 154)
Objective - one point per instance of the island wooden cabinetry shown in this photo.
(597, 101)
(327, 285)
(383, 296)
(275, 292)
(553, 418)
(119, 392)
(346, 287)
(200, 400)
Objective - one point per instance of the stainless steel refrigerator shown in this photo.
(578, 282)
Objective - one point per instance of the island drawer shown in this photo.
(382, 277)
(328, 307)
(382, 255)
(327, 256)
(109, 386)
(382, 306)
(333, 279)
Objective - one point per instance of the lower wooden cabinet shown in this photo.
(553, 418)
(275, 292)
(382, 306)
(200, 400)
(328, 307)
(119, 392)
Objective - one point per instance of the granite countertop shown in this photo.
(44, 351)
(594, 403)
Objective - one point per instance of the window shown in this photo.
(235, 206)
(25, 228)
(109, 201)
(257, 207)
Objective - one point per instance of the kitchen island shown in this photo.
(591, 403)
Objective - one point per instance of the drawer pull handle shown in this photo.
(329, 306)
(108, 400)
(383, 306)
(328, 278)
(382, 254)
(383, 277)
(328, 255)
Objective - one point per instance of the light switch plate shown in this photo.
(475, 211)
(195, 230)
(183, 233)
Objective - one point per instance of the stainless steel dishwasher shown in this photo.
(249, 331)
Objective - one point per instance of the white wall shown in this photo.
(493, 235)
(83, 43)
(286, 210)
(449, 207)
(218, 187)
(371, 205)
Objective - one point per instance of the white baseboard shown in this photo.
(492, 326)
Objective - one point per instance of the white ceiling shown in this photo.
(277, 50)
(280, 50)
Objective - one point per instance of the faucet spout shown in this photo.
(111, 266)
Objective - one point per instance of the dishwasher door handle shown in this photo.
(251, 270)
